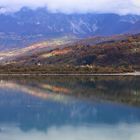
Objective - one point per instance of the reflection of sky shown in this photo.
(99, 132)
(42, 115)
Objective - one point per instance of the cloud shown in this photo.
(78, 6)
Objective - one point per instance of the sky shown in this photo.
(75, 6)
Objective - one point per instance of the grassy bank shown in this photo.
(62, 69)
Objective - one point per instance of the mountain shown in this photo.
(9, 56)
(27, 26)
(120, 53)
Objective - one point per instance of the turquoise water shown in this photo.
(70, 108)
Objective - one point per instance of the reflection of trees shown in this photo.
(46, 92)
(125, 89)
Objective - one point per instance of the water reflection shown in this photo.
(75, 108)
(35, 91)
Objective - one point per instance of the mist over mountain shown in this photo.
(28, 26)
(40, 21)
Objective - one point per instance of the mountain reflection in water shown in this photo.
(71, 108)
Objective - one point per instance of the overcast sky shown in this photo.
(78, 6)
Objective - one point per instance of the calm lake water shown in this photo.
(70, 108)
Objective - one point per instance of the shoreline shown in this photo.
(77, 74)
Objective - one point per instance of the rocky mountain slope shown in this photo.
(27, 26)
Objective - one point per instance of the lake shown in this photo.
(70, 108)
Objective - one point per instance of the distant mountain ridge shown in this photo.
(40, 21)
(27, 26)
